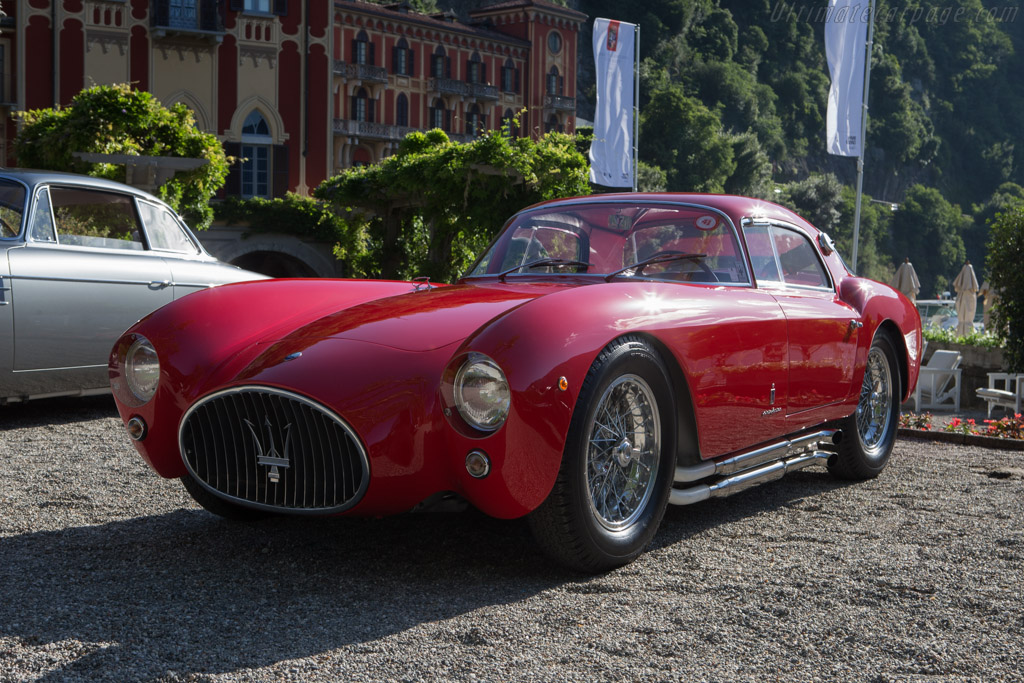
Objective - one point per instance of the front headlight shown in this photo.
(482, 395)
(142, 369)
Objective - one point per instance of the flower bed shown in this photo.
(1005, 433)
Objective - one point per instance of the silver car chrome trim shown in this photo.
(146, 283)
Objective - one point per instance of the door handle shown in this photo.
(159, 284)
(856, 325)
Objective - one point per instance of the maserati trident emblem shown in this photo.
(271, 458)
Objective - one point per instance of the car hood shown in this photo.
(423, 320)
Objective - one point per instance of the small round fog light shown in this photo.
(137, 429)
(478, 464)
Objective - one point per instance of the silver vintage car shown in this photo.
(81, 259)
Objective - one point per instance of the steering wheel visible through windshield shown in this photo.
(653, 241)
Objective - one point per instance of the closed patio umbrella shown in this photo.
(906, 280)
(966, 286)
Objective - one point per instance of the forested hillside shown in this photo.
(733, 97)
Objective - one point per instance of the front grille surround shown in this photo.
(222, 436)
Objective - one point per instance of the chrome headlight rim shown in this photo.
(142, 389)
(475, 365)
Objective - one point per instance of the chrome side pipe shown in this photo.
(758, 466)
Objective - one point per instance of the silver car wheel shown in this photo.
(623, 452)
(874, 411)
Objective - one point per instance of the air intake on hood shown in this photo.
(272, 449)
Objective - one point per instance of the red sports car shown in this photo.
(605, 357)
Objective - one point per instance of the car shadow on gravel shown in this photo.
(56, 411)
(186, 592)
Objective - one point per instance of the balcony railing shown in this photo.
(370, 130)
(560, 102)
(448, 86)
(482, 91)
(360, 72)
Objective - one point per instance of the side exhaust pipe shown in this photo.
(754, 467)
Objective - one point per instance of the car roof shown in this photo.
(34, 177)
(735, 206)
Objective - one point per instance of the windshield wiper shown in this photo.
(543, 262)
(663, 257)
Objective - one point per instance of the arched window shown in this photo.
(440, 117)
(401, 58)
(552, 124)
(362, 106)
(509, 77)
(256, 142)
(440, 63)
(475, 69)
(474, 121)
(362, 49)
(402, 110)
(508, 124)
(554, 82)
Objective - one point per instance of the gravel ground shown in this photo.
(109, 572)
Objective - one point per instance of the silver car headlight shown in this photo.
(142, 369)
(482, 395)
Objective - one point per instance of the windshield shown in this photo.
(613, 236)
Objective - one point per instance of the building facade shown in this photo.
(297, 89)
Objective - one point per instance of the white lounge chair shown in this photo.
(938, 385)
(1005, 390)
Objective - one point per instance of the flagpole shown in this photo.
(636, 106)
(863, 138)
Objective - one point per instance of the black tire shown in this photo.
(575, 524)
(219, 506)
(870, 432)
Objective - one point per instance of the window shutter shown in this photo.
(561, 85)
(352, 109)
(411, 63)
(447, 120)
(280, 171)
(447, 67)
(237, 5)
(280, 7)
(517, 81)
(371, 107)
(355, 51)
(373, 52)
(394, 60)
(233, 182)
(469, 71)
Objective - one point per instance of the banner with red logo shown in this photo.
(611, 153)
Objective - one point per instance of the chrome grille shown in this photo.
(268, 448)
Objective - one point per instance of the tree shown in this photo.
(115, 119)
(1005, 255)
(685, 139)
(927, 229)
(431, 207)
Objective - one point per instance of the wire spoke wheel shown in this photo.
(623, 452)
(874, 411)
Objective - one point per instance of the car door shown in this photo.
(83, 276)
(822, 328)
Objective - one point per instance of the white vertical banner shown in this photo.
(611, 152)
(846, 31)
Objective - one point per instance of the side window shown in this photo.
(42, 219)
(12, 205)
(762, 253)
(164, 231)
(798, 259)
(93, 218)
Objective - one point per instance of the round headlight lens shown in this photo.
(481, 393)
(142, 369)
